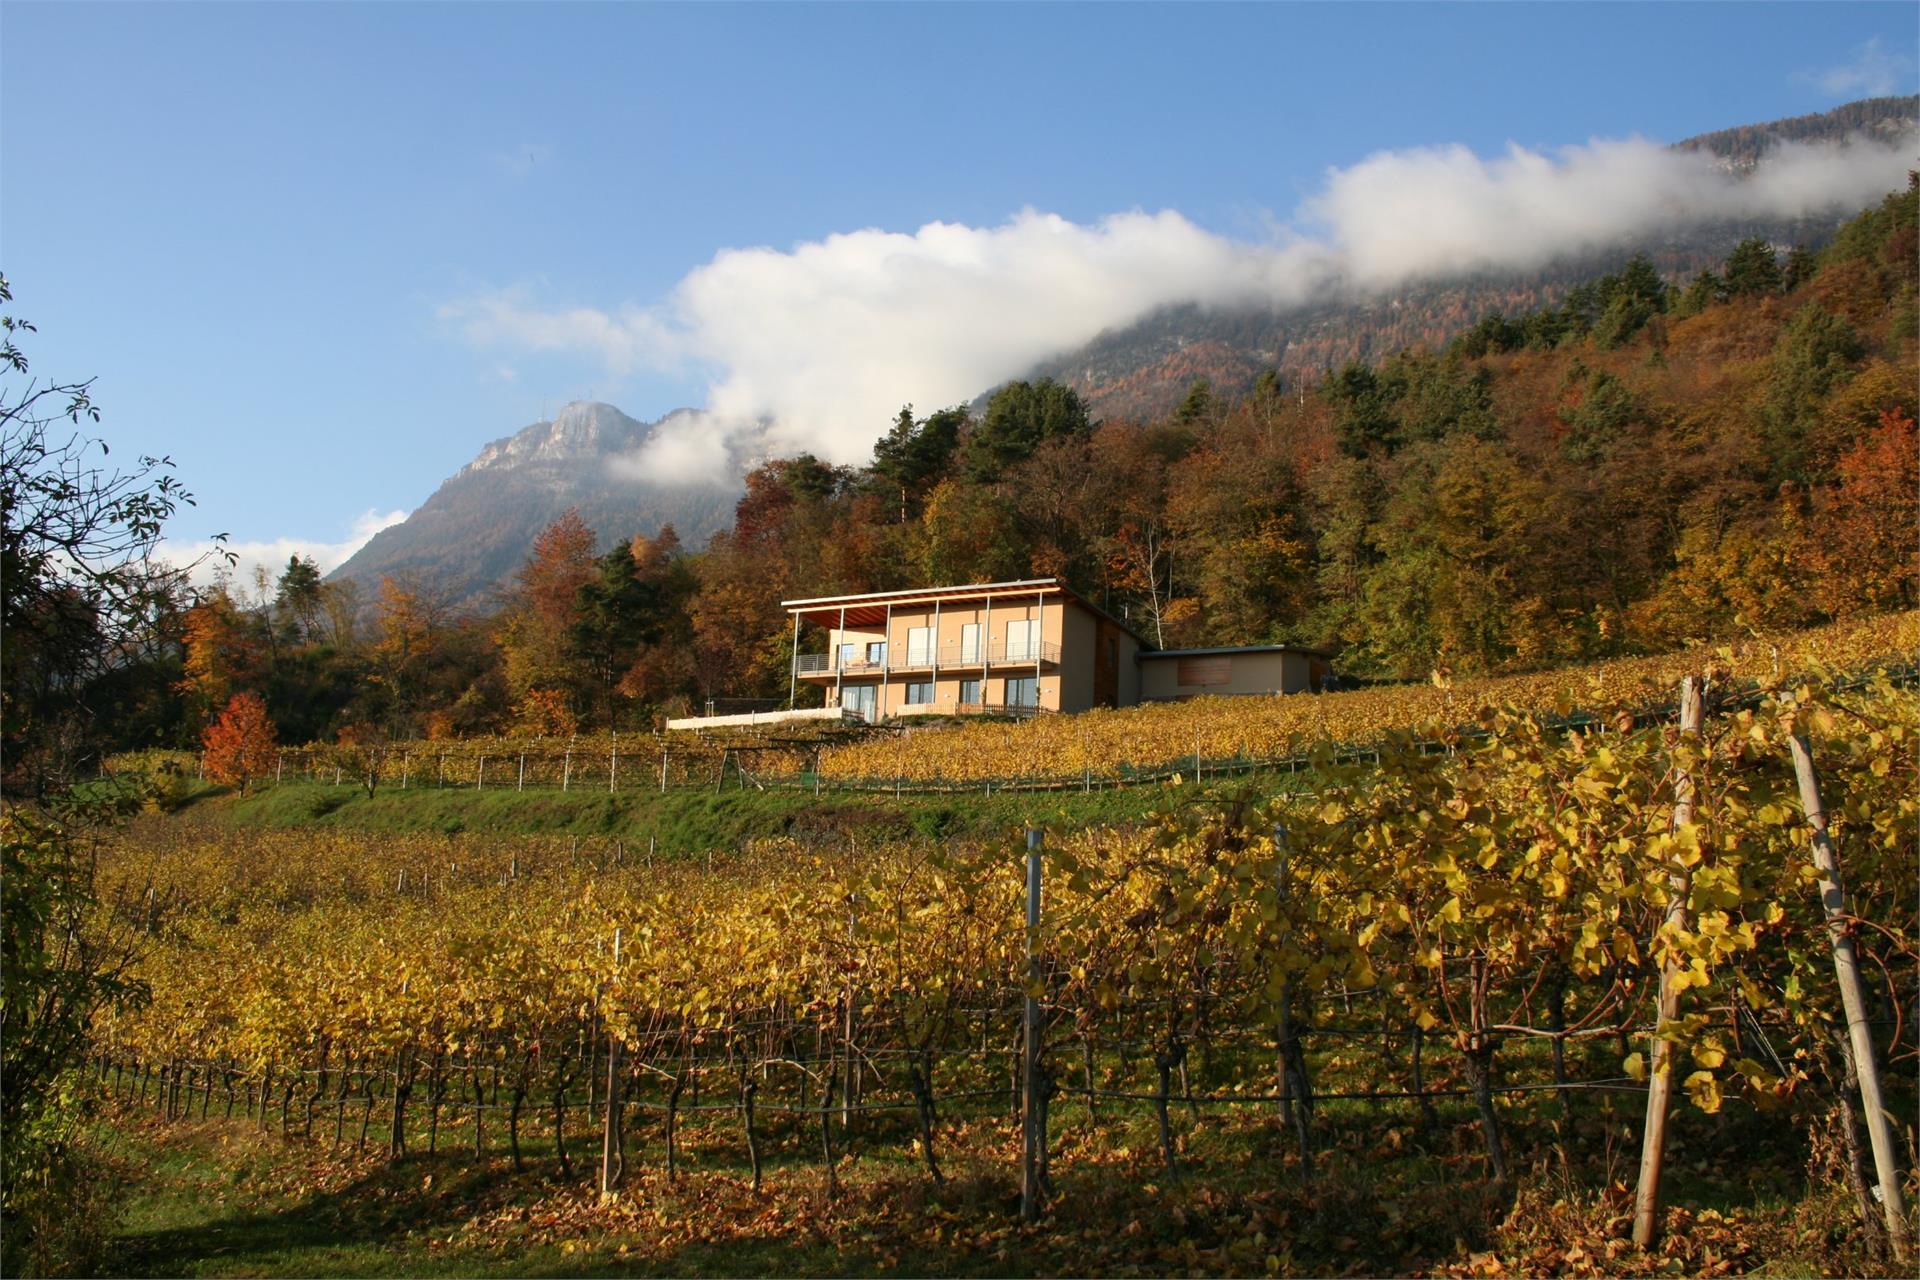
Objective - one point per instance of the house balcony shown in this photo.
(955, 658)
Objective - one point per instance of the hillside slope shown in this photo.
(1142, 370)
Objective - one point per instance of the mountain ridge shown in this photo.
(1143, 369)
(472, 533)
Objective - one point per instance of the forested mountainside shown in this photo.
(467, 539)
(1747, 144)
(1638, 467)
(1142, 369)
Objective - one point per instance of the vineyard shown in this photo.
(1227, 732)
(1479, 942)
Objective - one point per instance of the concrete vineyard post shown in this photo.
(1846, 972)
(1653, 1140)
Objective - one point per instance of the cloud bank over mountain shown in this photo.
(816, 347)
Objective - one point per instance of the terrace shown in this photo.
(868, 660)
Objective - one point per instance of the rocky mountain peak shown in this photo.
(583, 429)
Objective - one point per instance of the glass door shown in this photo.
(919, 646)
(861, 699)
(1023, 640)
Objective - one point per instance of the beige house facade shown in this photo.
(1010, 647)
(1007, 647)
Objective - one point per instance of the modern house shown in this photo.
(999, 646)
(1014, 647)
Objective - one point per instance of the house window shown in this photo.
(860, 699)
(1023, 692)
(877, 653)
(920, 693)
(970, 693)
(919, 646)
(970, 645)
(849, 654)
(1023, 640)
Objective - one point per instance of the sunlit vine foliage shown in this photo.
(1506, 894)
(1105, 743)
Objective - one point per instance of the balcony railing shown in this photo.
(955, 657)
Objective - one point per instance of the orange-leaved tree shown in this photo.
(241, 744)
(1862, 540)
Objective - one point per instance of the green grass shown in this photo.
(222, 1198)
(213, 1203)
(688, 820)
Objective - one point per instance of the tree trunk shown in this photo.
(561, 1079)
(747, 1090)
(1480, 1075)
(918, 1074)
(826, 1133)
(517, 1099)
(1164, 1062)
(673, 1111)
(479, 1104)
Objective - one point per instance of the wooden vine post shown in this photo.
(1033, 1133)
(1846, 970)
(610, 1132)
(1295, 1095)
(1653, 1141)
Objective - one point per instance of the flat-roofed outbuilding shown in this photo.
(1245, 670)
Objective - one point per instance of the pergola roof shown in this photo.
(872, 607)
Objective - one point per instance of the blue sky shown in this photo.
(265, 229)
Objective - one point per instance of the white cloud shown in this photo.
(272, 554)
(691, 448)
(1873, 72)
(623, 341)
(817, 347)
(1444, 211)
